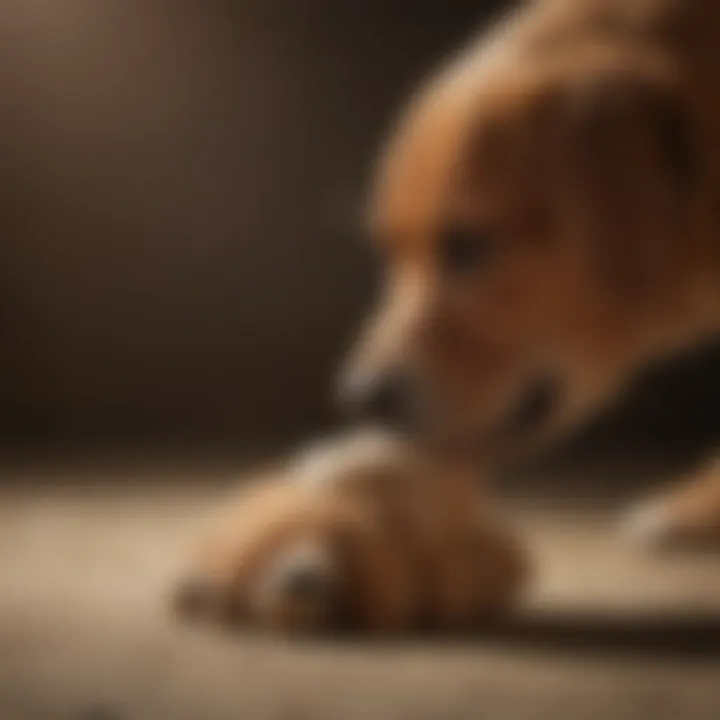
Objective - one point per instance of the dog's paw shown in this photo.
(686, 515)
(375, 544)
(297, 559)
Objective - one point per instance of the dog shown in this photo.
(549, 210)
(548, 207)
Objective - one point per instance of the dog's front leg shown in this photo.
(687, 512)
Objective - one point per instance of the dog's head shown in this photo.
(535, 215)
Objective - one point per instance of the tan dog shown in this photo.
(549, 207)
(362, 533)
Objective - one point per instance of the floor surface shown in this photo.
(88, 551)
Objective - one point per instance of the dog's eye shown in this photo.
(463, 249)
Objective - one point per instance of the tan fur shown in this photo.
(553, 136)
(410, 542)
(598, 265)
(686, 514)
(581, 138)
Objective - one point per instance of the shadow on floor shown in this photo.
(671, 637)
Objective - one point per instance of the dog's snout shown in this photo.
(384, 397)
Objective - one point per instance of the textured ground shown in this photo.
(609, 633)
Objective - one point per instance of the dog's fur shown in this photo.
(362, 533)
(579, 146)
(549, 206)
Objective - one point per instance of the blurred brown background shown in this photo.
(182, 187)
(180, 212)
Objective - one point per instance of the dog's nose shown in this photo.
(384, 398)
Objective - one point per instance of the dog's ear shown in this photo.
(616, 114)
(631, 171)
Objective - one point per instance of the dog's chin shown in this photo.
(528, 424)
(520, 430)
(534, 409)
(525, 426)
